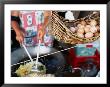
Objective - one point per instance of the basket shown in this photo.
(59, 28)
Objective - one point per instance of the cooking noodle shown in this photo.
(25, 70)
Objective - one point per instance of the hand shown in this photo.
(41, 33)
(20, 36)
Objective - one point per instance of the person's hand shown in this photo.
(41, 33)
(20, 36)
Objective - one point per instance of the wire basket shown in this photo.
(59, 28)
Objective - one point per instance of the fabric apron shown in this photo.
(30, 23)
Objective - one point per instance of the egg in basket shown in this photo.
(83, 30)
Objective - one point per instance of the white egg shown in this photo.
(87, 29)
(88, 26)
(83, 23)
(93, 29)
(76, 28)
(79, 25)
(72, 29)
(80, 35)
(80, 30)
(89, 35)
(82, 26)
(93, 23)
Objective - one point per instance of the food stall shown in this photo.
(75, 51)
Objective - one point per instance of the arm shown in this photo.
(16, 27)
(47, 14)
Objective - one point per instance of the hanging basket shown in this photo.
(59, 27)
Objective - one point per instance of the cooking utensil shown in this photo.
(35, 64)
(52, 62)
(27, 53)
(35, 67)
(38, 51)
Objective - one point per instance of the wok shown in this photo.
(54, 62)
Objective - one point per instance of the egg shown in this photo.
(80, 26)
(96, 34)
(76, 28)
(80, 35)
(80, 30)
(72, 29)
(93, 23)
(93, 29)
(89, 35)
(87, 29)
(98, 28)
(83, 23)
(88, 26)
